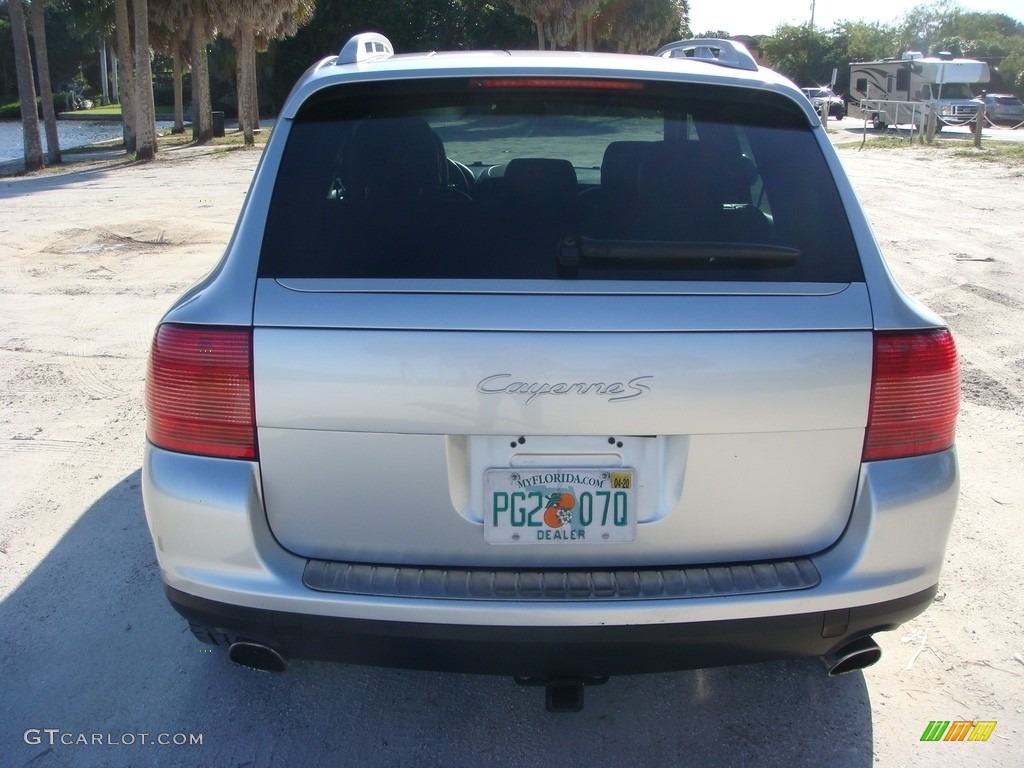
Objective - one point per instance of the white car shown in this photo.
(554, 365)
(823, 98)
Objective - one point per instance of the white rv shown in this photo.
(902, 90)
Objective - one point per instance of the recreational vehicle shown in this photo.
(894, 91)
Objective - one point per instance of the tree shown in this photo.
(202, 31)
(247, 23)
(923, 23)
(641, 26)
(539, 12)
(145, 110)
(26, 89)
(863, 41)
(169, 32)
(126, 74)
(45, 87)
(802, 54)
(626, 25)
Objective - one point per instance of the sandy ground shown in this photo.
(89, 259)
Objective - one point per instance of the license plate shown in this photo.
(559, 506)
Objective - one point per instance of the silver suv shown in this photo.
(554, 365)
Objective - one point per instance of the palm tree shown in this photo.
(640, 26)
(26, 89)
(45, 87)
(540, 12)
(126, 73)
(169, 32)
(201, 31)
(249, 23)
(145, 110)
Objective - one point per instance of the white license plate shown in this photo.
(559, 506)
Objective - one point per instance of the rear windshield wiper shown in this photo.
(594, 250)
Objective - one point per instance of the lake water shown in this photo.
(71, 133)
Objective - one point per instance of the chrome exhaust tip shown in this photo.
(859, 654)
(256, 656)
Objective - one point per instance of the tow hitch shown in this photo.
(562, 694)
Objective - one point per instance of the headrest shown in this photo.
(394, 157)
(542, 181)
(620, 166)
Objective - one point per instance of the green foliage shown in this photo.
(805, 56)
(411, 26)
(11, 110)
(865, 41)
(808, 57)
(1007, 153)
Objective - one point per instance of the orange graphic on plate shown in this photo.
(559, 510)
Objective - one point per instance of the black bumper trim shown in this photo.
(560, 585)
(544, 651)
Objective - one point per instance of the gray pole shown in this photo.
(103, 71)
(116, 89)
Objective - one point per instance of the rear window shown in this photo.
(518, 178)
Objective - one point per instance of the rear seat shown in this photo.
(607, 212)
(397, 212)
(532, 212)
(687, 194)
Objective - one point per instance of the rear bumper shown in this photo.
(549, 651)
(223, 569)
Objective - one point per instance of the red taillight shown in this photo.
(199, 394)
(915, 395)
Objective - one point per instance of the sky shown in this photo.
(760, 17)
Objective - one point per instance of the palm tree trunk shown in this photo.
(246, 73)
(144, 108)
(45, 88)
(202, 116)
(254, 99)
(26, 89)
(126, 74)
(179, 99)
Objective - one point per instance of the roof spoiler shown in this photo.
(726, 53)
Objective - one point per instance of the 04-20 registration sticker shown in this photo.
(559, 506)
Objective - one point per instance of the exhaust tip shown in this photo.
(856, 655)
(256, 656)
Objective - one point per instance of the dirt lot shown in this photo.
(90, 258)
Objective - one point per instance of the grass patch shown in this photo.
(168, 140)
(109, 111)
(1009, 153)
(230, 140)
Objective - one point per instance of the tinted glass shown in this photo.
(568, 179)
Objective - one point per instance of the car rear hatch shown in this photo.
(517, 322)
(380, 416)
